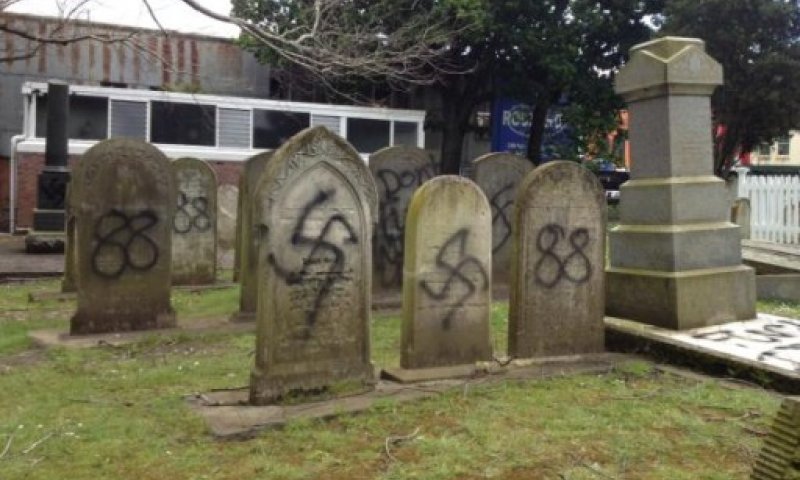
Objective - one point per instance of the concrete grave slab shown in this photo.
(229, 417)
(58, 338)
(766, 349)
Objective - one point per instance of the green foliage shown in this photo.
(758, 47)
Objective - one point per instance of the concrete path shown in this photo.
(15, 264)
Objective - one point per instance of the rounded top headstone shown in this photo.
(556, 183)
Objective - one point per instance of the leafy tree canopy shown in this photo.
(758, 44)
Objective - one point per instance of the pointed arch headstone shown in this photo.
(315, 208)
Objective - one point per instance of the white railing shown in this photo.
(774, 206)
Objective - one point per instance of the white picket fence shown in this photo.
(774, 206)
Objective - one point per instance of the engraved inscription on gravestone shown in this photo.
(447, 283)
(314, 209)
(124, 204)
(194, 232)
(557, 290)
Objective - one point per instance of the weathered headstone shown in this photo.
(447, 294)
(558, 281)
(124, 208)
(315, 208)
(194, 226)
(398, 172)
(498, 175)
(780, 455)
(675, 257)
(68, 284)
(740, 215)
(248, 237)
(227, 204)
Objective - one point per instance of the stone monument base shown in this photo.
(85, 324)
(412, 375)
(268, 387)
(682, 300)
(243, 317)
(44, 242)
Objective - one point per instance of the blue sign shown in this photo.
(511, 124)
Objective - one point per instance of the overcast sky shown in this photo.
(173, 14)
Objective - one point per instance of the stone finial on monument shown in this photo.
(675, 258)
(51, 192)
(498, 175)
(398, 171)
(123, 205)
(315, 207)
(227, 208)
(558, 284)
(447, 294)
(194, 226)
(248, 237)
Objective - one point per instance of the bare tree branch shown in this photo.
(322, 42)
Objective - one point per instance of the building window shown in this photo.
(183, 123)
(368, 135)
(234, 128)
(272, 127)
(783, 146)
(405, 133)
(88, 117)
(128, 119)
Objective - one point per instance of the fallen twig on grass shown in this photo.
(396, 440)
(8, 444)
(37, 443)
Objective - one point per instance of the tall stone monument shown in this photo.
(314, 211)
(498, 175)
(447, 294)
(558, 283)
(398, 172)
(248, 237)
(123, 204)
(51, 190)
(675, 258)
(194, 226)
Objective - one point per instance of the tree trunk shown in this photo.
(457, 105)
(538, 120)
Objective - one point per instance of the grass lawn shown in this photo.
(118, 412)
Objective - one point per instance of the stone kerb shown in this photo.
(315, 207)
(398, 172)
(194, 226)
(558, 281)
(447, 276)
(247, 237)
(499, 175)
(124, 202)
